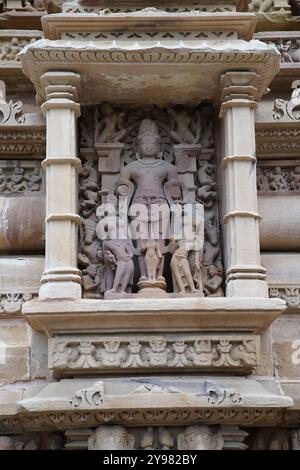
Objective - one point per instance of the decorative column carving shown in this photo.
(245, 277)
(61, 278)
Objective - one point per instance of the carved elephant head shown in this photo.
(111, 438)
(200, 438)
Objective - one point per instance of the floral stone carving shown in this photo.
(153, 352)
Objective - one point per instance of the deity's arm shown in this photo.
(172, 172)
(125, 173)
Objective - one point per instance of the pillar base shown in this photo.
(60, 290)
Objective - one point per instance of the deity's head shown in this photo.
(111, 438)
(200, 438)
(148, 140)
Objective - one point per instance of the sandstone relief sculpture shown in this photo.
(278, 179)
(289, 110)
(111, 438)
(16, 177)
(157, 352)
(200, 438)
(114, 437)
(142, 172)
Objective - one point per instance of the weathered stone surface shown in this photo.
(14, 351)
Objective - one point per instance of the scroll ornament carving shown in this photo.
(10, 48)
(277, 179)
(11, 304)
(172, 416)
(155, 352)
(288, 109)
(108, 265)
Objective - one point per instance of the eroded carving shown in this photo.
(278, 179)
(111, 438)
(139, 171)
(200, 438)
(290, 109)
(153, 352)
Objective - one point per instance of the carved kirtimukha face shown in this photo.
(200, 438)
(111, 438)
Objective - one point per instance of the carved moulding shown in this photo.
(108, 142)
(152, 401)
(87, 354)
(171, 6)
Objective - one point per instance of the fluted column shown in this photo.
(245, 277)
(61, 278)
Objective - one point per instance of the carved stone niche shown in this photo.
(149, 170)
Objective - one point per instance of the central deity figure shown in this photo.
(151, 185)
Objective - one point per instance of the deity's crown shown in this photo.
(148, 127)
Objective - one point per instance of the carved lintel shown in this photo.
(103, 353)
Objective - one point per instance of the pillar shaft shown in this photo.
(245, 277)
(61, 278)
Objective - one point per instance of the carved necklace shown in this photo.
(143, 162)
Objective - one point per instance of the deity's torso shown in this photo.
(149, 178)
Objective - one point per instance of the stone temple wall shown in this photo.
(122, 122)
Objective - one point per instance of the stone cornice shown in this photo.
(201, 65)
(148, 401)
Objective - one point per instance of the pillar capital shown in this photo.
(239, 89)
(61, 85)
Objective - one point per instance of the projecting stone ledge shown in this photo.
(223, 314)
(152, 401)
(150, 72)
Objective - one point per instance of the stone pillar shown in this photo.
(245, 277)
(61, 278)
